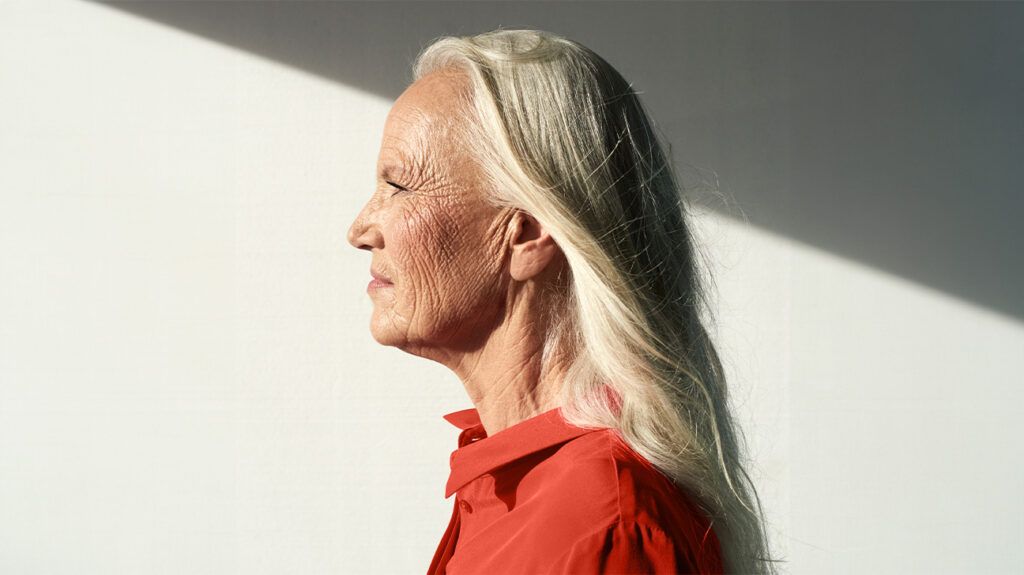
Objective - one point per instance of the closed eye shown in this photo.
(397, 187)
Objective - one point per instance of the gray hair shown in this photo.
(560, 134)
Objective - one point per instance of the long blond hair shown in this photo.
(560, 134)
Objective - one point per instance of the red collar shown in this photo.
(475, 457)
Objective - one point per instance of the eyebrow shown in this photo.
(400, 165)
(394, 170)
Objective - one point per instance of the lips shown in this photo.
(380, 277)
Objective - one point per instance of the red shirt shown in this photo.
(543, 496)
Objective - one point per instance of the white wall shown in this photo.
(188, 383)
(187, 380)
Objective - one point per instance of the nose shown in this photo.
(359, 233)
(355, 233)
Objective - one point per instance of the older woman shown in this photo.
(528, 232)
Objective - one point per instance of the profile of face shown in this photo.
(443, 249)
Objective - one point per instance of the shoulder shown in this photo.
(601, 466)
(623, 511)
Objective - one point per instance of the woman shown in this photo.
(528, 232)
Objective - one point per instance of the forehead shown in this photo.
(420, 121)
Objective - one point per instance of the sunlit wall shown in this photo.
(188, 383)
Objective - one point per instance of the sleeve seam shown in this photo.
(612, 439)
(613, 525)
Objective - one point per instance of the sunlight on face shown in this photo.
(429, 230)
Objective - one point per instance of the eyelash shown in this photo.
(399, 188)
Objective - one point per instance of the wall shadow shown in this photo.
(889, 134)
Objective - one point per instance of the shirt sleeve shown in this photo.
(624, 547)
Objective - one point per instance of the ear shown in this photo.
(534, 251)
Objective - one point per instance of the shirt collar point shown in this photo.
(464, 418)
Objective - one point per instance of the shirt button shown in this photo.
(465, 506)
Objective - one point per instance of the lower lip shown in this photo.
(376, 283)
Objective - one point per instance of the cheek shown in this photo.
(441, 265)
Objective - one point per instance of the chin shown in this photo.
(384, 331)
(386, 339)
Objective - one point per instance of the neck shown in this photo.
(506, 377)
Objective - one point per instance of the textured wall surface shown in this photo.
(187, 379)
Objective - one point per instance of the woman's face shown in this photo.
(429, 231)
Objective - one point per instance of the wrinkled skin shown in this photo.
(467, 277)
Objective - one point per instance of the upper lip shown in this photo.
(378, 275)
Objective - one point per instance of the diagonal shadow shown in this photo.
(889, 134)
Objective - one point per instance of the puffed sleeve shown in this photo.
(624, 547)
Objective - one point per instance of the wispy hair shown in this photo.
(560, 134)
